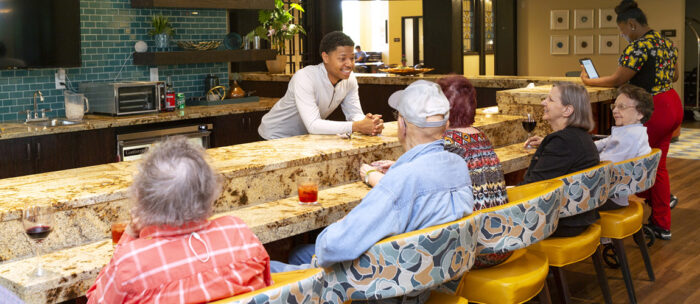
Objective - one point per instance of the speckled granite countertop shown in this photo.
(480, 81)
(19, 129)
(79, 187)
(538, 93)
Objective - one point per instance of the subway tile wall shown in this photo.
(109, 29)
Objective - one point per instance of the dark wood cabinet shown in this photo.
(45, 153)
(54, 152)
(23, 156)
(95, 147)
(236, 129)
(17, 157)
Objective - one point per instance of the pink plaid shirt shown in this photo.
(171, 265)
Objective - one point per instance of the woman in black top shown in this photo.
(566, 150)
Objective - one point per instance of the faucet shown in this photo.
(36, 109)
(41, 98)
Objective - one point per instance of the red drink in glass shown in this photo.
(117, 231)
(308, 192)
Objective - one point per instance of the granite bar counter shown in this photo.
(480, 81)
(259, 188)
(10, 130)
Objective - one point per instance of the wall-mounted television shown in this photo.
(39, 34)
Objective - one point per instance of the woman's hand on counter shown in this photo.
(534, 141)
(372, 124)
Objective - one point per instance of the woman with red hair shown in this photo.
(470, 143)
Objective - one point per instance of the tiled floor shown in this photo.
(688, 145)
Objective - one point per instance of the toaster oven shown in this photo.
(124, 98)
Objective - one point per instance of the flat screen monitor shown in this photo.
(39, 33)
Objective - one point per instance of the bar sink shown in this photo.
(56, 122)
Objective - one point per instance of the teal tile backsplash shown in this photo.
(109, 29)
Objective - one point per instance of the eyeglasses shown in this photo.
(620, 107)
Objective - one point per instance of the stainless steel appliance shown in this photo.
(131, 146)
(124, 98)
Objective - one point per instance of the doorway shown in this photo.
(412, 37)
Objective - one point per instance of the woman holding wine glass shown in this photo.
(529, 125)
(566, 150)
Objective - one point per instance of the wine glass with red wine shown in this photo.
(38, 224)
(529, 124)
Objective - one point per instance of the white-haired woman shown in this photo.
(170, 252)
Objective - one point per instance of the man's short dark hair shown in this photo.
(358, 47)
(333, 40)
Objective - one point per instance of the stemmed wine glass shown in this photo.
(38, 224)
(529, 125)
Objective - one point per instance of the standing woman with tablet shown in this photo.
(649, 61)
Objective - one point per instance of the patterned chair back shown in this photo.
(634, 175)
(530, 216)
(302, 286)
(407, 264)
(586, 189)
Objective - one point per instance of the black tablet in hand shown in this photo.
(590, 69)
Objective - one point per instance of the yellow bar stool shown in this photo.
(530, 216)
(299, 286)
(629, 177)
(585, 190)
(406, 265)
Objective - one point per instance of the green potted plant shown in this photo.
(162, 31)
(277, 26)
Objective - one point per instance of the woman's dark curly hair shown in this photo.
(628, 9)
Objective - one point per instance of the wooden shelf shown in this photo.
(188, 57)
(227, 4)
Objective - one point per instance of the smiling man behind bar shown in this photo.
(426, 186)
(316, 91)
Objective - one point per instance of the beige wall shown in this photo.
(398, 9)
(366, 25)
(471, 65)
(534, 58)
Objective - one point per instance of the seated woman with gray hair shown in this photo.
(568, 149)
(171, 252)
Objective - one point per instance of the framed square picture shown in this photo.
(609, 44)
(583, 19)
(606, 18)
(583, 44)
(559, 19)
(559, 44)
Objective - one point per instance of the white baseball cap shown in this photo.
(420, 100)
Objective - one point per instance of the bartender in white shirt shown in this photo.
(316, 91)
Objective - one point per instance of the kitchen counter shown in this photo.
(19, 129)
(481, 81)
